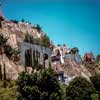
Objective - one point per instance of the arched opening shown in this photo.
(36, 58)
(1, 50)
(28, 58)
(45, 57)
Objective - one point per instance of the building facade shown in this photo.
(32, 54)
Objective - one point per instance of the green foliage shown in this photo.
(8, 51)
(3, 40)
(96, 81)
(79, 89)
(22, 20)
(14, 21)
(28, 38)
(9, 83)
(63, 88)
(38, 27)
(8, 93)
(45, 41)
(95, 96)
(1, 19)
(38, 86)
(74, 50)
(98, 59)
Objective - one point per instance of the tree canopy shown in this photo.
(3, 40)
(80, 89)
(75, 50)
(39, 86)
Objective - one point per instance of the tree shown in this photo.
(38, 27)
(96, 81)
(3, 40)
(75, 50)
(95, 96)
(8, 51)
(45, 41)
(22, 20)
(98, 59)
(39, 86)
(1, 19)
(14, 21)
(80, 89)
(28, 38)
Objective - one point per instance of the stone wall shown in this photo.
(41, 49)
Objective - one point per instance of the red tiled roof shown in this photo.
(89, 55)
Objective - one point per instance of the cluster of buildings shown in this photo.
(66, 64)
(32, 55)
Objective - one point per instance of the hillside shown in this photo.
(19, 32)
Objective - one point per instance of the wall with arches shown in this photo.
(32, 53)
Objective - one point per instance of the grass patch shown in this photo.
(8, 93)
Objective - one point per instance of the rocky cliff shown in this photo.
(16, 32)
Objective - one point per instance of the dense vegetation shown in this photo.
(8, 93)
(39, 86)
(96, 82)
(80, 89)
(44, 85)
(44, 40)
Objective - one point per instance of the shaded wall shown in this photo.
(41, 49)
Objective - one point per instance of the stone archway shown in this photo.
(45, 60)
(36, 58)
(28, 58)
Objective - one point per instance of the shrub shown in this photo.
(96, 81)
(38, 86)
(79, 89)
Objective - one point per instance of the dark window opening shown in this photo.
(28, 57)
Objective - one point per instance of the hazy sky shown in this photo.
(74, 22)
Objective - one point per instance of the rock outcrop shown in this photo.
(12, 70)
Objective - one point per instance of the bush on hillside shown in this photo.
(96, 81)
(79, 89)
(38, 86)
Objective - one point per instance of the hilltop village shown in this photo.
(25, 47)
